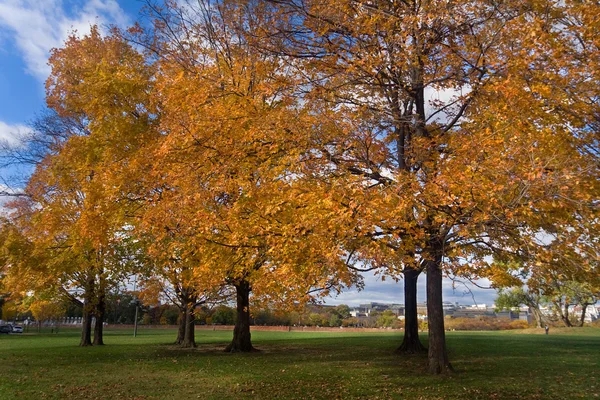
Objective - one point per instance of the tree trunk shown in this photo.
(559, 309)
(189, 336)
(565, 316)
(86, 328)
(411, 343)
(99, 327)
(537, 315)
(438, 356)
(582, 318)
(87, 309)
(181, 330)
(241, 333)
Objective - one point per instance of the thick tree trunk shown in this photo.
(181, 330)
(86, 328)
(537, 315)
(99, 330)
(87, 312)
(189, 336)
(411, 343)
(241, 334)
(532, 301)
(438, 356)
(100, 314)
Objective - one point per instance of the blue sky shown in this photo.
(30, 28)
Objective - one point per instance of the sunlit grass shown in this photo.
(292, 365)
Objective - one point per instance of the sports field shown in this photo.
(300, 365)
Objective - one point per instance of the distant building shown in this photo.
(450, 308)
(470, 312)
(591, 312)
(455, 310)
(397, 309)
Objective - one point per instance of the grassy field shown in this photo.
(298, 365)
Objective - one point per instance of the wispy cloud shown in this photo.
(11, 133)
(36, 26)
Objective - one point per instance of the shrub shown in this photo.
(518, 324)
(335, 320)
(484, 324)
(387, 319)
(351, 322)
(224, 315)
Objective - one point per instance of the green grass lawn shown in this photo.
(295, 365)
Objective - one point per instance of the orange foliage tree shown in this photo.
(228, 191)
(73, 214)
(465, 128)
(167, 274)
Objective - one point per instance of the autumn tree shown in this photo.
(45, 136)
(47, 132)
(24, 264)
(44, 310)
(224, 178)
(167, 276)
(376, 60)
(8, 310)
(453, 138)
(73, 216)
(49, 256)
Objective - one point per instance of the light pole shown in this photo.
(135, 319)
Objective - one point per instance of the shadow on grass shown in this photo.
(298, 365)
(468, 352)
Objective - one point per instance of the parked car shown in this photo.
(5, 329)
(17, 329)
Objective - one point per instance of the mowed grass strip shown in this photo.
(299, 365)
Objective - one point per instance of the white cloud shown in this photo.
(12, 133)
(389, 291)
(37, 26)
(435, 99)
